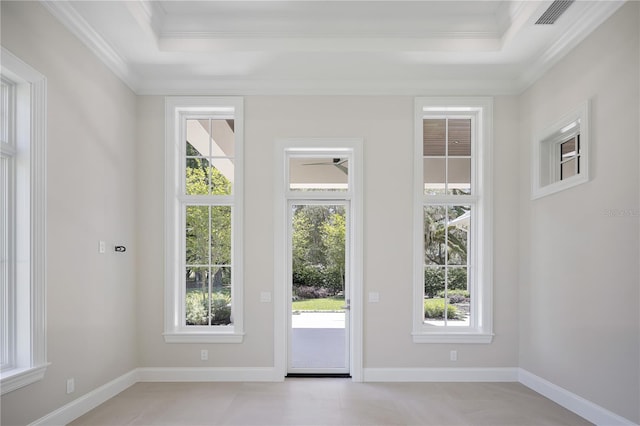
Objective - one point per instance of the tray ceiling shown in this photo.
(328, 47)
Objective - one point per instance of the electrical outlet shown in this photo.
(204, 355)
(71, 385)
(453, 355)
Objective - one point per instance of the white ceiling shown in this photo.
(328, 47)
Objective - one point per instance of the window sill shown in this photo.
(552, 188)
(452, 337)
(203, 337)
(20, 377)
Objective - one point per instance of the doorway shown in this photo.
(318, 298)
(319, 318)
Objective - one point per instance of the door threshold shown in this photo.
(318, 375)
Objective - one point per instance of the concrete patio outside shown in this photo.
(318, 340)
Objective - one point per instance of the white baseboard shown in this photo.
(508, 374)
(208, 374)
(582, 407)
(87, 402)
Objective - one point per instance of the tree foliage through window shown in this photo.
(318, 246)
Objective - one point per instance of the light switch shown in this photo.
(374, 297)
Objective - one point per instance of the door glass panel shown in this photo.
(319, 288)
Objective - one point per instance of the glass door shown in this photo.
(319, 287)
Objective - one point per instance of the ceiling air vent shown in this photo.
(551, 15)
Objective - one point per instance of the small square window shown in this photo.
(561, 154)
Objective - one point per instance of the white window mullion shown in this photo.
(446, 157)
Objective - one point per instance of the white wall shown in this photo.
(579, 324)
(386, 125)
(572, 319)
(90, 178)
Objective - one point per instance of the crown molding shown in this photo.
(250, 42)
(582, 26)
(150, 15)
(330, 87)
(74, 22)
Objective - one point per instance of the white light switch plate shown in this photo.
(374, 297)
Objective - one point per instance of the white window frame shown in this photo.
(480, 267)
(25, 294)
(177, 110)
(545, 166)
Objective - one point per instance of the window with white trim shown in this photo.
(7, 223)
(561, 154)
(22, 224)
(452, 220)
(204, 142)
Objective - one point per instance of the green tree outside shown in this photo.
(207, 244)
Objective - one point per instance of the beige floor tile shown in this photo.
(329, 402)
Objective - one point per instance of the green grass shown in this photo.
(325, 304)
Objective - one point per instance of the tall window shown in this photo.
(203, 210)
(22, 224)
(452, 220)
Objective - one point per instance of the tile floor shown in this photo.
(329, 401)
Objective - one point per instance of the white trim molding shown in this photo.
(582, 407)
(76, 24)
(208, 374)
(506, 374)
(545, 157)
(30, 321)
(87, 402)
(479, 328)
(353, 147)
(572, 402)
(178, 110)
(21, 377)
